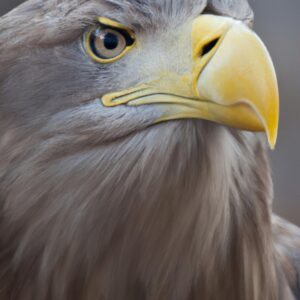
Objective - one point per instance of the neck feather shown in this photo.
(179, 211)
(209, 227)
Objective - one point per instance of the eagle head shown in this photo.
(129, 149)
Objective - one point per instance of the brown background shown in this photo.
(278, 23)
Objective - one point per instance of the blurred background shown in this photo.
(278, 23)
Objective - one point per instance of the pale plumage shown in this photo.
(98, 203)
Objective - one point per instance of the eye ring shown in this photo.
(108, 41)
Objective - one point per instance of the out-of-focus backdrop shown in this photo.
(278, 23)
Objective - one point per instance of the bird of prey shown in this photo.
(133, 154)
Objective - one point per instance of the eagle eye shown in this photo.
(108, 41)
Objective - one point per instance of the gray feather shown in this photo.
(287, 243)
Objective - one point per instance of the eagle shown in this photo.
(134, 138)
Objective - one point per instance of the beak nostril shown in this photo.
(209, 46)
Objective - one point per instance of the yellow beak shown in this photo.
(232, 81)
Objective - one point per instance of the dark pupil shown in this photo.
(110, 41)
